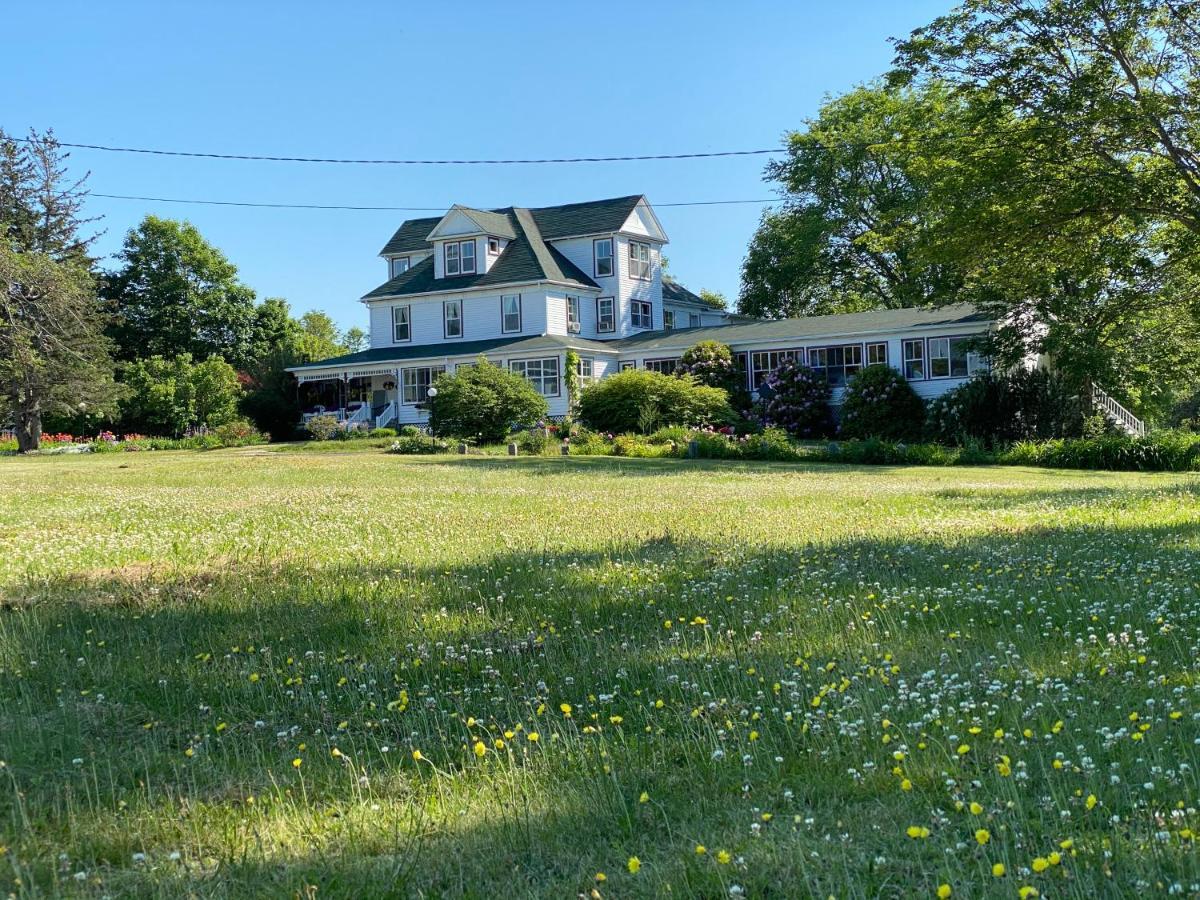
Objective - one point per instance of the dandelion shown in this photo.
(296, 763)
(644, 798)
(724, 857)
(634, 865)
(943, 891)
(533, 737)
(998, 870)
(480, 749)
(565, 709)
(917, 831)
(1040, 864)
(701, 849)
(982, 836)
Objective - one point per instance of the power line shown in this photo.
(419, 162)
(375, 208)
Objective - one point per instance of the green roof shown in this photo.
(527, 257)
(554, 222)
(675, 293)
(808, 327)
(405, 352)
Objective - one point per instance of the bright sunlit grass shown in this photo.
(356, 675)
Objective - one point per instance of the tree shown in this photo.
(853, 217)
(355, 339)
(275, 331)
(318, 338)
(715, 299)
(53, 353)
(54, 358)
(484, 402)
(171, 395)
(1074, 198)
(175, 293)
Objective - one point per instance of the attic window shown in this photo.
(399, 265)
(460, 258)
(493, 246)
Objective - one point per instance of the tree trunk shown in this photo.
(28, 425)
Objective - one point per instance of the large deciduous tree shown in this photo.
(855, 207)
(1074, 198)
(176, 293)
(54, 357)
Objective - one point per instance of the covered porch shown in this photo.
(356, 399)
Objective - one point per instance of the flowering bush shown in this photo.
(418, 444)
(796, 399)
(880, 403)
(712, 363)
(997, 409)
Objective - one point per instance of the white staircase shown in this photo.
(1117, 414)
(388, 415)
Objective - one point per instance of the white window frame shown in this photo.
(851, 356)
(458, 258)
(396, 323)
(586, 370)
(874, 346)
(542, 373)
(764, 362)
(463, 255)
(952, 343)
(598, 257)
(415, 382)
(641, 310)
(626, 365)
(665, 366)
(574, 325)
(907, 359)
(448, 305)
(639, 261)
(493, 246)
(668, 319)
(504, 329)
(447, 270)
(610, 318)
(399, 265)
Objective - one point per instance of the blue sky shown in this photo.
(431, 80)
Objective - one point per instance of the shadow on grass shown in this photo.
(330, 645)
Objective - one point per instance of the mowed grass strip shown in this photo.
(324, 675)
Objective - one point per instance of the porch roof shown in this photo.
(377, 358)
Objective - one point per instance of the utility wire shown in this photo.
(375, 208)
(418, 162)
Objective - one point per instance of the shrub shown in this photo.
(409, 431)
(382, 433)
(1160, 451)
(418, 444)
(880, 403)
(633, 445)
(676, 433)
(639, 400)
(484, 402)
(796, 399)
(997, 409)
(771, 444)
(239, 433)
(322, 428)
(589, 443)
(713, 445)
(534, 441)
(712, 363)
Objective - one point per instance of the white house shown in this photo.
(524, 286)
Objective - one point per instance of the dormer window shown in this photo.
(602, 251)
(460, 258)
(399, 266)
(639, 260)
(493, 246)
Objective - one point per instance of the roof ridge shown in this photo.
(533, 235)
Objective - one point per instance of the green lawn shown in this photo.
(216, 670)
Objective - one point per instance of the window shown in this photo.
(602, 257)
(399, 266)
(510, 313)
(668, 319)
(606, 315)
(639, 260)
(493, 246)
(452, 319)
(642, 313)
(460, 258)
(693, 320)
(586, 370)
(626, 366)
(401, 324)
(573, 325)
(765, 362)
(662, 366)
(838, 363)
(914, 360)
(977, 362)
(877, 354)
(949, 357)
(414, 383)
(541, 373)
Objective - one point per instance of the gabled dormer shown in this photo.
(468, 241)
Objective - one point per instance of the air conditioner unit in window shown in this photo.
(573, 327)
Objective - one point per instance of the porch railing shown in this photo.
(359, 416)
(1117, 414)
(388, 415)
